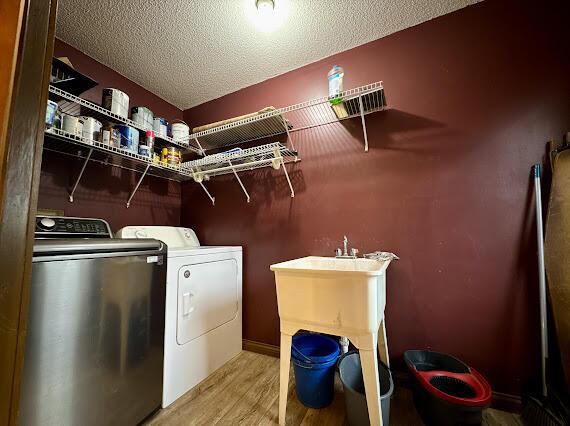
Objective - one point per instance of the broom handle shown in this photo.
(541, 277)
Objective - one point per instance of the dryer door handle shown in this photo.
(187, 309)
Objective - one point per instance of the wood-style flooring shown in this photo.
(246, 392)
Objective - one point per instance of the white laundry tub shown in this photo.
(339, 296)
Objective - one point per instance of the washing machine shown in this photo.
(203, 315)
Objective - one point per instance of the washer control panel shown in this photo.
(71, 227)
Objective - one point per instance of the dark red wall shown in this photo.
(474, 96)
(103, 191)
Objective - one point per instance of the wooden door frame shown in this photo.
(21, 142)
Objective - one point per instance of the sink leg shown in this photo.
(369, 363)
(285, 364)
(383, 346)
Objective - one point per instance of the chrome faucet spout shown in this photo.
(345, 254)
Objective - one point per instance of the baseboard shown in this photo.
(507, 402)
(260, 348)
(500, 401)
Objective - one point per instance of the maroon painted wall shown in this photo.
(103, 191)
(473, 96)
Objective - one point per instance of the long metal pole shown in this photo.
(80, 174)
(541, 277)
(137, 186)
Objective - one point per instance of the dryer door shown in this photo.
(207, 297)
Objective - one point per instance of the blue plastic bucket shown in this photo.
(314, 360)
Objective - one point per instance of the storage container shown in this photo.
(350, 371)
(129, 138)
(314, 362)
(116, 101)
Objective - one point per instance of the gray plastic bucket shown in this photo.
(350, 372)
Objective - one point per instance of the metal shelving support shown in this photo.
(240, 182)
(363, 123)
(288, 180)
(289, 140)
(273, 155)
(212, 199)
(137, 186)
(356, 102)
(65, 143)
(80, 174)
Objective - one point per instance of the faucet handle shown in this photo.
(354, 252)
(338, 252)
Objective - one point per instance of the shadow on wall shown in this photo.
(391, 129)
(386, 129)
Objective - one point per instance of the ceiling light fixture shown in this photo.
(267, 15)
(265, 7)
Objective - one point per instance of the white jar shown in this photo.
(71, 124)
(91, 128)
(180, 130)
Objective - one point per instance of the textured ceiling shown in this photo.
(191, 51)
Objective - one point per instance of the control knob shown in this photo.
(47, 223)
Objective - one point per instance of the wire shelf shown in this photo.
(71, 105)
(274, 155)
(240, 160)
(66, 143)
(317, 112)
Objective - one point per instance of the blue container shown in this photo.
(129, 138)
(50, 113)
(314, 360)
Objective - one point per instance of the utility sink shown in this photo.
(332, 295)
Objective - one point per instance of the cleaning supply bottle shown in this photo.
(335, 84)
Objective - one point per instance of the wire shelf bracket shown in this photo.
(212, 199)
(363, 123)
(240, 182)
(137, 185)
(59, 141)
(288, 180)
(80, 175)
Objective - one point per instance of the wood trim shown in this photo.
(23, 143)
(507, 402)
(260, 348)
(11, 12)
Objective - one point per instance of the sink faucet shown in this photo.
(344, 254)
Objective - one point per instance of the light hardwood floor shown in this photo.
(246, 392)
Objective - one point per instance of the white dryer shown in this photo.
(203, 327)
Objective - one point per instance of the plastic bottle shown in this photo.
(335, 84)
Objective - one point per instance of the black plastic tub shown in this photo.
(447, 392)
